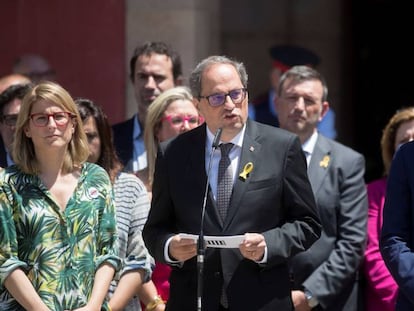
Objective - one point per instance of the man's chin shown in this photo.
(294, 128)
(148, 101)
(236, 123)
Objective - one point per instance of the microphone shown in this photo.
(201, 243)
(216, 140)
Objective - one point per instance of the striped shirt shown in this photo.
(132, 207)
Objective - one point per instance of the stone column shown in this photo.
(192, 27)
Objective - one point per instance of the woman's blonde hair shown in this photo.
(153, 122)
(389, 135)
(23, 151)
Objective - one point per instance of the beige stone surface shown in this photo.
(245, 29)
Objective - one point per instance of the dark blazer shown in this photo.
(3, 154)
(397, 236)
(262, 110)
(123, 142)
(276, 200)
(329, 269)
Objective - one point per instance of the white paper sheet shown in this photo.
(232, 241)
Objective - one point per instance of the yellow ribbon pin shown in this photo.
(246, 170)
(325, 161)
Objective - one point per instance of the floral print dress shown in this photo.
(59, 251)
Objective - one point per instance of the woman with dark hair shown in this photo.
(132, 206)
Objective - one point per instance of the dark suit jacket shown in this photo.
(123, 142)
(276, 200)
(329, 268)
(262, 110)
(3, 154)
(397, 236)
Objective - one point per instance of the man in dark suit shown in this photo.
(154, 68)
(325, 277)
(3, 154)
(284, 57)
(397, 235)
(271, 202)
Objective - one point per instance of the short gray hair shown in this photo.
(300, 74)
(196, 74)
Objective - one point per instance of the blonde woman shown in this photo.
(169, 115)
(57, 217)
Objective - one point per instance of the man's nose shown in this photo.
(150, 82)
(300, 102)
(228, 101)
(186, 124)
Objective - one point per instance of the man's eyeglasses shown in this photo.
(60, 118)
(179, 120)
(9, 119)
(237, 96)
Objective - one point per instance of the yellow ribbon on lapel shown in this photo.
(246, 170)
(325, 161)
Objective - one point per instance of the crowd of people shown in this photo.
(95, 216)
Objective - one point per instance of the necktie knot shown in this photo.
(225, 149)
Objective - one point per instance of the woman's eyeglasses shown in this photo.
(42, 119)
(176, 121)
(237, 96)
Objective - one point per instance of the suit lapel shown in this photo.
(196, 161)
(125, 143)
(319, 164)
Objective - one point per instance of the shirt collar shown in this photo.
(309, 145)
(237, 140)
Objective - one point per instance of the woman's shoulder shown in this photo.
(88, 168)
(129, 179)
(12, 173)
(94, 171)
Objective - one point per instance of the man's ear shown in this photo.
(179, 81)
(196, 103)
(325, 109)
(276, 102)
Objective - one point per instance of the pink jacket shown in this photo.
(381, 289)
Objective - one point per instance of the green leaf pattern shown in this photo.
(59, 251)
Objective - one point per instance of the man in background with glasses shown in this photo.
(10, 102)
(270, 202)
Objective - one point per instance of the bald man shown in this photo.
(12, 79)
(34, 66)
